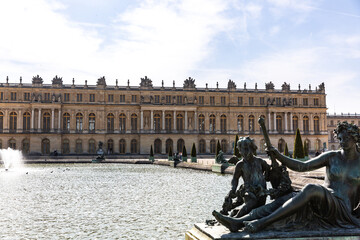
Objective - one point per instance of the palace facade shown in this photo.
(40, 118)
(333, 120)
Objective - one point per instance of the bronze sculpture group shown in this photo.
(332, 205)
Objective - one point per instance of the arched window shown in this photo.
(25, 146)
(110, 122)
(306, 123)
(1, 121)
(78, 146)
(281, 145)
(122, 122)
(224, 146)
(45, 146)
(157, 125)
(262, 145)
(13, 121)
(66, 122)
(133, 122)
(122, 146)
(201, 123)
(168, 120)
(12, 143)
(212, 126)
(79, 122)
(223, 123)
(179, 122)
(26, 121)
(180, 145)
(251, 123)
(66, 146)
(92, 146)
(279, 123)
(133, 146)
(202, 146)
(295, 120)
(318, 145)
(240, 123)
(92, 122)
(307, 143)
(212, 146)
(157, 146)
(46, 123)
(169, 144)
(110, 146)
(316, 124)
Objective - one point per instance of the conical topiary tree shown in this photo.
(298, 146)
(218, 148)
(286, 150)
(193, 153)
(151, 158)
(236, 150)
(306, 149)
(184, 153)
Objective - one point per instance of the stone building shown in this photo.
(333, 120)
(71, 118)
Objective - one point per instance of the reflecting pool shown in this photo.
(106, 201)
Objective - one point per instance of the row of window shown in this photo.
(168, 99)
(110, 120)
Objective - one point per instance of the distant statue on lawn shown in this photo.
(333, 205)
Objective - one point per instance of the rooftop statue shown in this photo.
(231, 85)
(322, 87)
(269, 86)
(285, 86)
(332, 205)
(101, 81)
(57, 80)
(37, 80)
(146, 82)
(189, 83)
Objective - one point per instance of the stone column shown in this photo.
(152, 120)
(6, 120)
(291, 123)
(32, 119)
(19, 122)
(141, 120)
(174, 121)
(59, 125)
(52, 119)
(186, 121)
(275, 129)
(163, 120)
(311, 123)
(301, 121)
(39, 120)
(195, 122)
(286, 127)
(269, 122)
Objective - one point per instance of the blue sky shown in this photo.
(298, 42)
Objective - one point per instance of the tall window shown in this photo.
(157, 98)
(133, 98)
(168, 120)
(212, 123)
(47, 97)
(110, 146)
(223, 123)
(306, 124)
(240, 123)
(46, 122)
(92, 146)
(157, 122)
(157, 146)
(294, 101)
(251, 123)
(251, 101)
(92, 97)
(201, 100)
(305, 101)
(78, 146)
(262, 101)
(13, 121)
(1, 121)
(66, 146)
(13, 96)
(25, 146)
(66, 122)
(180, 145)
(168, 99)
(79, 122)
(79, 97)
(122, 146)
(212, 100)
(202, 146)
(92, 122)
(122, 98)
(26, 121)
(212, 146)
(66, 97)
(316, 124)
(279, 123)
(133, 146)
(278, 101)
(201, 123)
(110, 122)
(168, 145)
(26, 96)
(295, 123)
(179, 99)
(223, 101)
(12, 143)
(179, 122)
(111, 98)
(133, 122)
(316, 102)
(45, 146)
(122, 122)
(224, 145)
(240, 101)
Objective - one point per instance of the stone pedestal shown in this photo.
(219, 168)
(202, 231)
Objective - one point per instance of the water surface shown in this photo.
(106, 201)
